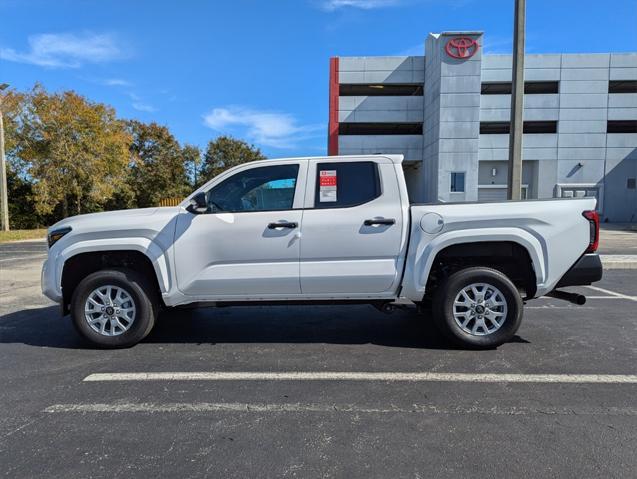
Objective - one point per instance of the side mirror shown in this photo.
(198, 204)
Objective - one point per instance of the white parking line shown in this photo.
(613, 293)
(34, 257)
(10, 252)
(331, 408)
(366, 376)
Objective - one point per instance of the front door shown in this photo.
(247, 244)
(352, 228)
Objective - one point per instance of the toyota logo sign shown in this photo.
(461, 47)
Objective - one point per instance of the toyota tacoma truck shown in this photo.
(330, 230)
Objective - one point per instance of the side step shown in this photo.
(389, 307)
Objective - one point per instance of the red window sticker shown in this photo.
(327, 186)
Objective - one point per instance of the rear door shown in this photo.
(352, 228)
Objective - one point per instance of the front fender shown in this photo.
(420, 264)
(147, 247)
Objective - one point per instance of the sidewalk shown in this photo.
(619, 261)
(618, 245)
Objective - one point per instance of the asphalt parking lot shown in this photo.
(375, 395)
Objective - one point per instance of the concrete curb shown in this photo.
(619, 261)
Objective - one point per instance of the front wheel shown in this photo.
(478, 308)
(114, 308)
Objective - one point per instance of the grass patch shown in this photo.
(16, 235)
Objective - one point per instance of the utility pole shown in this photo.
(4, 210)
(514, 185)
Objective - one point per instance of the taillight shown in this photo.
(593, 221)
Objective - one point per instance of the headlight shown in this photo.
(55, 235)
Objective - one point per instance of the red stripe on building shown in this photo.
(332, 129)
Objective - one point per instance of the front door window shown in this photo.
(266, 188)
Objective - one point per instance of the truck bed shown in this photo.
(553, 232)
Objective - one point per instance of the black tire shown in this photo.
(443, 308)
(140, 290)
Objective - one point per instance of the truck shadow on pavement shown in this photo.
(259, 324)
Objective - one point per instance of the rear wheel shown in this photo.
(478, 308)
(114, 308)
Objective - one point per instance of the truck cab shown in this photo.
(321, 228)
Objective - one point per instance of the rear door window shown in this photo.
(346, 184)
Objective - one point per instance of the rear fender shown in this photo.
(419, 266)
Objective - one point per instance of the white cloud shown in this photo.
(144, 107)
(116, 82)
(139, 104)
(332, 5)
(66, 50)
(274, 129)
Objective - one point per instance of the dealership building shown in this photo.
(448, 113)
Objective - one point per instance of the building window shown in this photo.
(530, 127)
(541, 87)
(540, 127)
(622, 86)
(380, 90)
(621, 126)
(496, 88)
(342, 185)
(631, 183)
(530, 88)
(380, 129)
(494, 128)
(457, 182)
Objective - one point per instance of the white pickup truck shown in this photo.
(333, 230)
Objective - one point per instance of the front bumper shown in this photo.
(48, 281)
(587, 270)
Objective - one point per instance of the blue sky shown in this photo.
(259, 69)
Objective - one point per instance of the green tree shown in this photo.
(157, 167)
(20, 192)
(19, 188)
(191, 155)
(74, 151)
(225, 152)
(11, 103)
